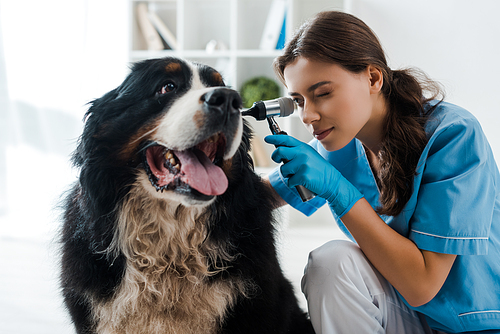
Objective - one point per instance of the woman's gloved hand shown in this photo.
(307, 167)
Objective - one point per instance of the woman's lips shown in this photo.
(322, 134)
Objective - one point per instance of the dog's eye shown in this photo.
(169, 87)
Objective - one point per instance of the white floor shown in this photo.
(29, 298)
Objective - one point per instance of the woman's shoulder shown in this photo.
(447, 115)
(456, 142)
(449, 123)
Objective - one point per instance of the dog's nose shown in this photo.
(222, 100)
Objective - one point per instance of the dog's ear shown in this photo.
(209, 76)
(105, 99)
(92, 121)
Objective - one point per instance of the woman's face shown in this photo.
(335, 105)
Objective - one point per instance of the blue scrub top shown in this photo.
(454, 209)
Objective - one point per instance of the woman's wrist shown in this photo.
(343, 197)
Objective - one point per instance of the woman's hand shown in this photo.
(304, 166)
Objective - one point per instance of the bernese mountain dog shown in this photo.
(168, 228)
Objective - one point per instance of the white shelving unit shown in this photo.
(238, 25)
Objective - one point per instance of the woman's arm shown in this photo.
(418, 275)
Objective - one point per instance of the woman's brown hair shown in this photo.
(343, 39)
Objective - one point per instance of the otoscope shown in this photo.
(282, 107)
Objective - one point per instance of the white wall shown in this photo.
(456, 42)
(55, 57)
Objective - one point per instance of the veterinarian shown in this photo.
(411, 180)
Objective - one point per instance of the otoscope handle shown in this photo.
(305, 194)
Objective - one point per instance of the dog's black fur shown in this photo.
(238, 224)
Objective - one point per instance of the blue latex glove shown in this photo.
(307, 167)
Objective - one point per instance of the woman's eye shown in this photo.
(322, 94)
(298, 101)
(170, 87)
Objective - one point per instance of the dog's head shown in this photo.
(172, 125)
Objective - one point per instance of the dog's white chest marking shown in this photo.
(199, 310)
(166, 287)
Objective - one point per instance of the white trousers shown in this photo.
(346, 294)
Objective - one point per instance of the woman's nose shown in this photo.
(309, 114)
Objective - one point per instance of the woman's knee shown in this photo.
(335, 255)
(331, 261)
(339, 265)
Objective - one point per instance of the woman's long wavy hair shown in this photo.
(343, 39)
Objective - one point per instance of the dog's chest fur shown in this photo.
(166, 286)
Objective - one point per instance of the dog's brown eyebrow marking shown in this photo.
(173, 67)
(217, 77)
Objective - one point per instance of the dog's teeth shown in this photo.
(172, 161)
(177, 167)
(169, 155)
(213, 139)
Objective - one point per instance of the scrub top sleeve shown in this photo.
(457, 193)
(291, 196)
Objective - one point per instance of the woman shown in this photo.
(410, 179)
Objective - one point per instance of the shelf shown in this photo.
(258, 53)
(143, 54)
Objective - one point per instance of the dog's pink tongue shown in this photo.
(201, 174)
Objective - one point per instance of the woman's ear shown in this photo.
(376, 79)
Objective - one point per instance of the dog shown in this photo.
(168, 228)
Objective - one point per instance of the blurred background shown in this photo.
(56, 56)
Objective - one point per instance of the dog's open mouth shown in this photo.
(198, 167)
